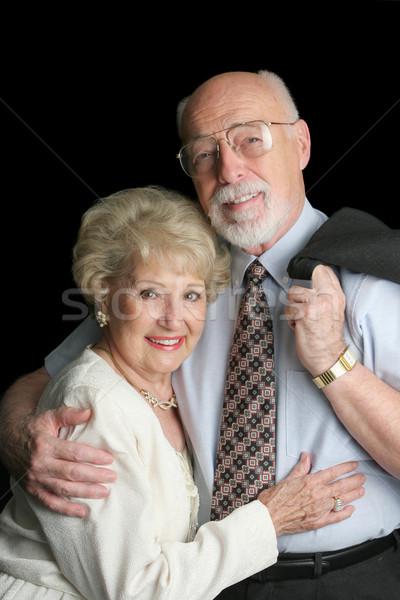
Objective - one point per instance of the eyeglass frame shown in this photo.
(212, 135)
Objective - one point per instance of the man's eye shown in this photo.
(203, 156)
(250, 140)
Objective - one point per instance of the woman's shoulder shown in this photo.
(83, 382)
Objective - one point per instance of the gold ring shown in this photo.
(338, 504)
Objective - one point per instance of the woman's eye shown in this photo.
(192, 296)
(148, 294)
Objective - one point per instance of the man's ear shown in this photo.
(304, 142)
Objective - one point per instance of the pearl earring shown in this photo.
(101, 318)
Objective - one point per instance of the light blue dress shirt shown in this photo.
(305, 419)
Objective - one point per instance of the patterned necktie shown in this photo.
(246, 449)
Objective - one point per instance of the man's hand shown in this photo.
(317, 315)
(49, 468)
(56, 469)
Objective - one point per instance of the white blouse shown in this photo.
(191, 491)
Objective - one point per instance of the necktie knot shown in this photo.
(256, 273)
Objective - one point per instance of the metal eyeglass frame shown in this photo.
(228, 129)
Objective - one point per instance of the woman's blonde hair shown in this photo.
(138, 224)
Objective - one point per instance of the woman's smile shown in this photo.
(166, 343)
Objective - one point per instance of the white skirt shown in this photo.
(17, 589)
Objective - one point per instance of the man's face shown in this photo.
(251, 202)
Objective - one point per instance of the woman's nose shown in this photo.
(172, 313)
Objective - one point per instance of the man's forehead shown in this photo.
(226, 101)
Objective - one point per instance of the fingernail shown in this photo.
(103, 493)
(108, 460)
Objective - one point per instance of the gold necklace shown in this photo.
(164, 404)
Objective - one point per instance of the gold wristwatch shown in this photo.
(343, 365)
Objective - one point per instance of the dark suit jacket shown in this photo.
(353, 239)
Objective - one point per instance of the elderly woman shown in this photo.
(148, 263)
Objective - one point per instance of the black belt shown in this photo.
(309, 566)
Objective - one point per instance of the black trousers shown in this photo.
(375, 579)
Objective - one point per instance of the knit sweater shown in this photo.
(133, 544)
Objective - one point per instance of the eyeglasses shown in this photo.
(251, 140)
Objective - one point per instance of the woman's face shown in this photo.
(155, 324)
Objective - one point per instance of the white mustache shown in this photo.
(235, 192)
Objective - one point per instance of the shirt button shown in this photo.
(236, 282)
(285, 279)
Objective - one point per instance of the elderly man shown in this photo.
(329, 380)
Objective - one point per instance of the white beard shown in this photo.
(252, 227)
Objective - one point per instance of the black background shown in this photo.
(87, 107)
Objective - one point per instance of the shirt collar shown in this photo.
(277, 258)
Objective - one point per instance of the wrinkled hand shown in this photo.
(317, 315)
(53, 470)
(304, 502)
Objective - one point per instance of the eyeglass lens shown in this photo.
(250, 140)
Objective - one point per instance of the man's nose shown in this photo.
(230, 166)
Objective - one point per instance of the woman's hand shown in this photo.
(303, 501)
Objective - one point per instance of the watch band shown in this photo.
(345, 363)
